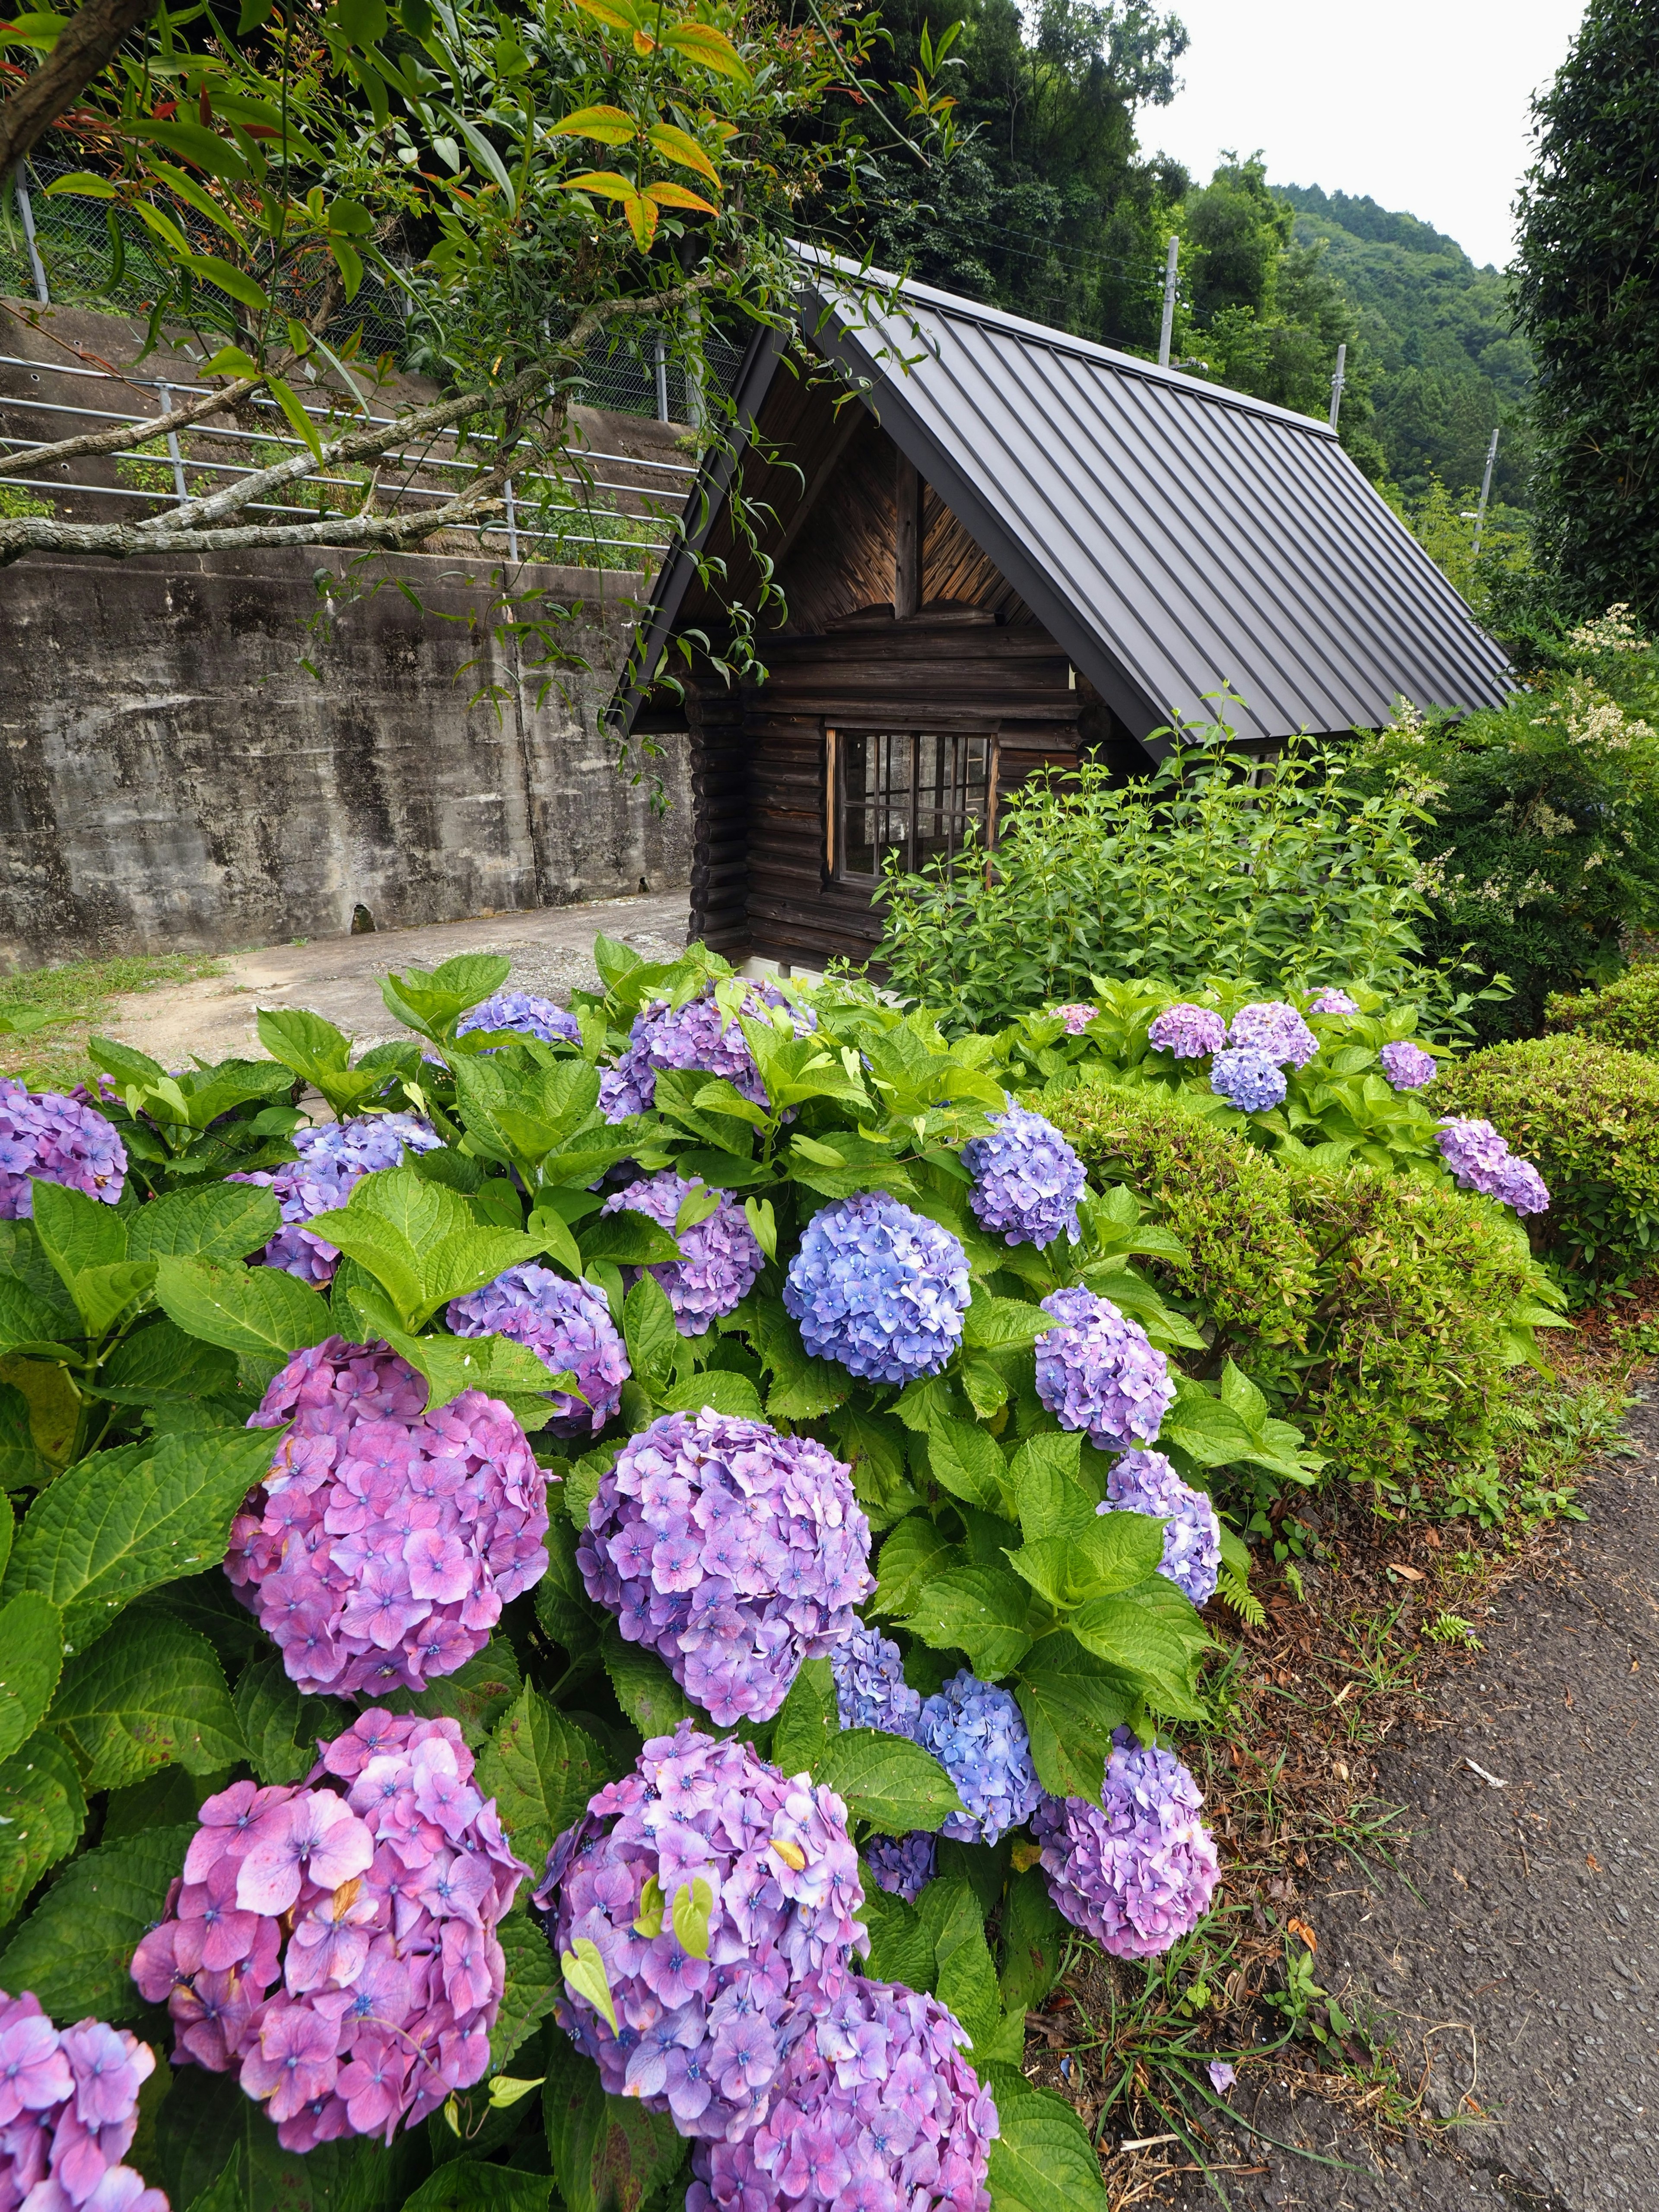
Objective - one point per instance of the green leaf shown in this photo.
(716, 1387)
(1053, 1501)
(900, 1948)
(255, 1311)
(1241, 1395)
(118, 1522)
(966, 1461)
(498, 1365)
(1003, 1324)
(887, 1781)
(533, 1981)
(86, 1241)
(27, 1318)
(807, 1720)
(149, 1693)
(541, 1770)
(1153, 1642)
(1042, 2159)
(605, 2151)
(649, 1329)
(628, 1240)
(983, 1611)
(281, 1726)
(645, 1689)
(31, 1661)
(477, 1694)
(76, 1949)
(226, 1222)
(208, 2127)
(1108, 1552)
(23, 1465)
(472, 2184)
(1071, 1701)
(966, 1984)
(432, 1001)
(159, 1365)
(43, 1809)
(1033, 1940)
(911, 1556)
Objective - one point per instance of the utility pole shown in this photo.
(1485, 494)
(1338, 381)
(1169, 300)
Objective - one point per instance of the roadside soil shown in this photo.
(1511, 1964)
(339, 977)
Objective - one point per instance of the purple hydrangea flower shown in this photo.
(879, 1288)
(1481, 1160)
(1333, 1001)
(567, 1325)
(1077, 1017)
(720, 1255)
(68, 2111)
(733, 1552)
(874, 2109)
(697, 1035)
(1249, 1080)
(334, 1158)
(334, 1942)
(1188, 1031)
(1273, 1026)
(870, 1691)
(1145, 1482)
(1027, 1179)
(53, 1138)
(702, 2032)
(1407, 1067)
(1137, 1871)
(1098, 1372)
(903, 1865)
(524, 1011)
(977, 1734)
(381, 1548)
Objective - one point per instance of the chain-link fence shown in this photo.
(91, 256)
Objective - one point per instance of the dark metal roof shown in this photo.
(1173, 536)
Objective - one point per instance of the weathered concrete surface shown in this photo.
(176, 778)
(339, 977)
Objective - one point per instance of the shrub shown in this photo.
(1587, 1116)
(1625, 1013)
(1249, 1268)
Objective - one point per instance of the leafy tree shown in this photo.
(1587, 300)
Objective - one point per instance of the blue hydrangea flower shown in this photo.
(567, 1325)
(1145, 1482)
(697, 1035)
(1520, 1185)
(879, 1288)
(903, 1865)
(977, 1734)
(1481, 1160)
(334, 1158)
(870, 1691)
(719, 1257)
(52, 1139)
(1137, 1871)
(1188, 1031)
(1027, 1179)
(1099, 1371)
(1252, 1081)
(524, 1011)
(1273, 1026)
(1333, 1001)
(1407, 1067)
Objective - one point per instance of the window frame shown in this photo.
(836, 796)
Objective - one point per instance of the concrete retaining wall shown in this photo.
(174, 778)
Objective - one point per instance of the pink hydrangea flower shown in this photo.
(357, 1973)
(68, 2111)
(1077, 1017)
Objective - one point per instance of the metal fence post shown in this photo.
(512, 523)
(173, 455)
(659, 357)
(26, 209)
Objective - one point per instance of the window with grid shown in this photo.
(909, 792)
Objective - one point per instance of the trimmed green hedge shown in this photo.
(1627, 1014)
(1587, 1116)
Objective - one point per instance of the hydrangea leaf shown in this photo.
(983, 1611)
(226, 1221)
(22, 1465)
(43, 1809)
(911, 1555)
(1071, 1701)
(1104, 1554)
(281, 1726)
(629, 1239)
(74, 1949)
(432, 1001)
(1148, 1642)
(207, 2127)
(585, 1977)
(86, 1241)
(28, 1319)
(605, 2151)
(693, 1903)
(900, 1948)
(1033, 1940)
(887, 1781)
(160, 1364)
(1050, 1494)
(496, 1365)
(149, 1693)
(476, 1695)
(256, 1311)
(472, 2184)
(31, 1661)
(719, 1388)
(966, 1982)
(645, 1689)
(541, 1770)
(533, 1984)
(120, 1521)
(807, 1720)
(966, 1461)
(1042, 2159)
(1000, 1324)
(381, 1248)
(649, 1329)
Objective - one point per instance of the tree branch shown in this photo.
(122, 436)
(85, 46)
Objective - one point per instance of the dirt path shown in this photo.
(1519, 1970)
(340, 976)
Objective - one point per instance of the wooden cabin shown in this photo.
(998, 547)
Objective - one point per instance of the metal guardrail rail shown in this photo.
(525, 499)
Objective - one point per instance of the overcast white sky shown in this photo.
(1423, 104)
